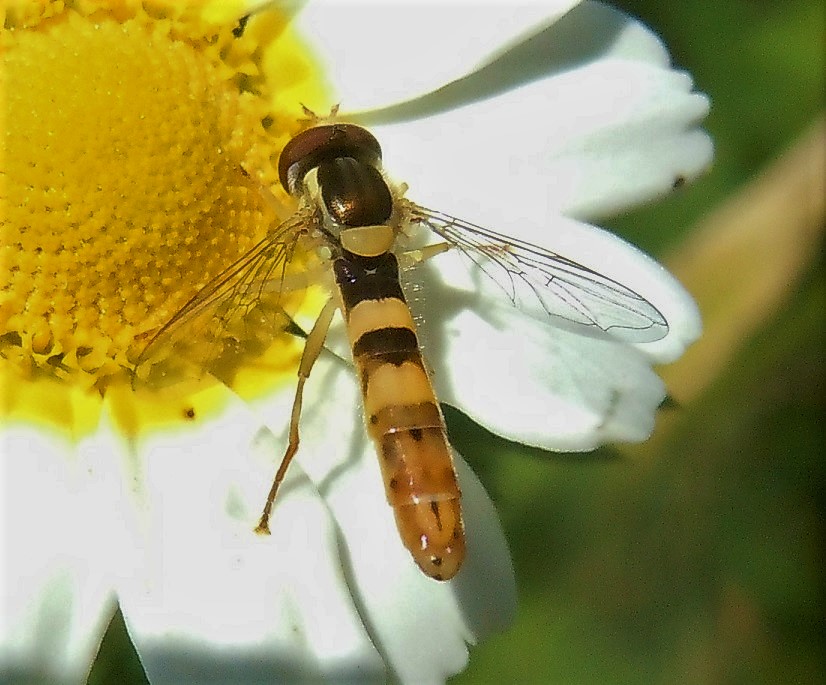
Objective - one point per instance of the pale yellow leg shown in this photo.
(312, 348)
(414, 257)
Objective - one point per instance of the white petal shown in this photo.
(523, 376)
(604, 126)
(376, 55)
(205, 598)
(58, 537)
(420, 625)
(533, 383)
(488, 563)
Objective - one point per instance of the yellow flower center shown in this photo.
(138, 152)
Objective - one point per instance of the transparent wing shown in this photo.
(567, 291)
(237, 313)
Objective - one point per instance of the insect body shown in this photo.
(349, 210)
(401, 412)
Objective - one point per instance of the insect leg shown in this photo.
(312, 348)
(414, 257)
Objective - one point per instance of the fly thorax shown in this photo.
(354, 193)
(366, 241)
(356, 204)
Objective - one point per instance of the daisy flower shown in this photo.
(139, 160)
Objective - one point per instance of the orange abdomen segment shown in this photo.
(415, 458)
(420, 483)
(434, 535)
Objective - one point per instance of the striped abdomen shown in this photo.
(401, 412)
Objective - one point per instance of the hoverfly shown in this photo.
(351, 213)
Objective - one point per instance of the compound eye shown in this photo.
(323, 144)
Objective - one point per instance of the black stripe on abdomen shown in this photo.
(367, 278)
(384, 340)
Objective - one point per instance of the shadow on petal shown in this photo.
(581, 36)
(485, 587)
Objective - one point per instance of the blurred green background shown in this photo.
(697, 558)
